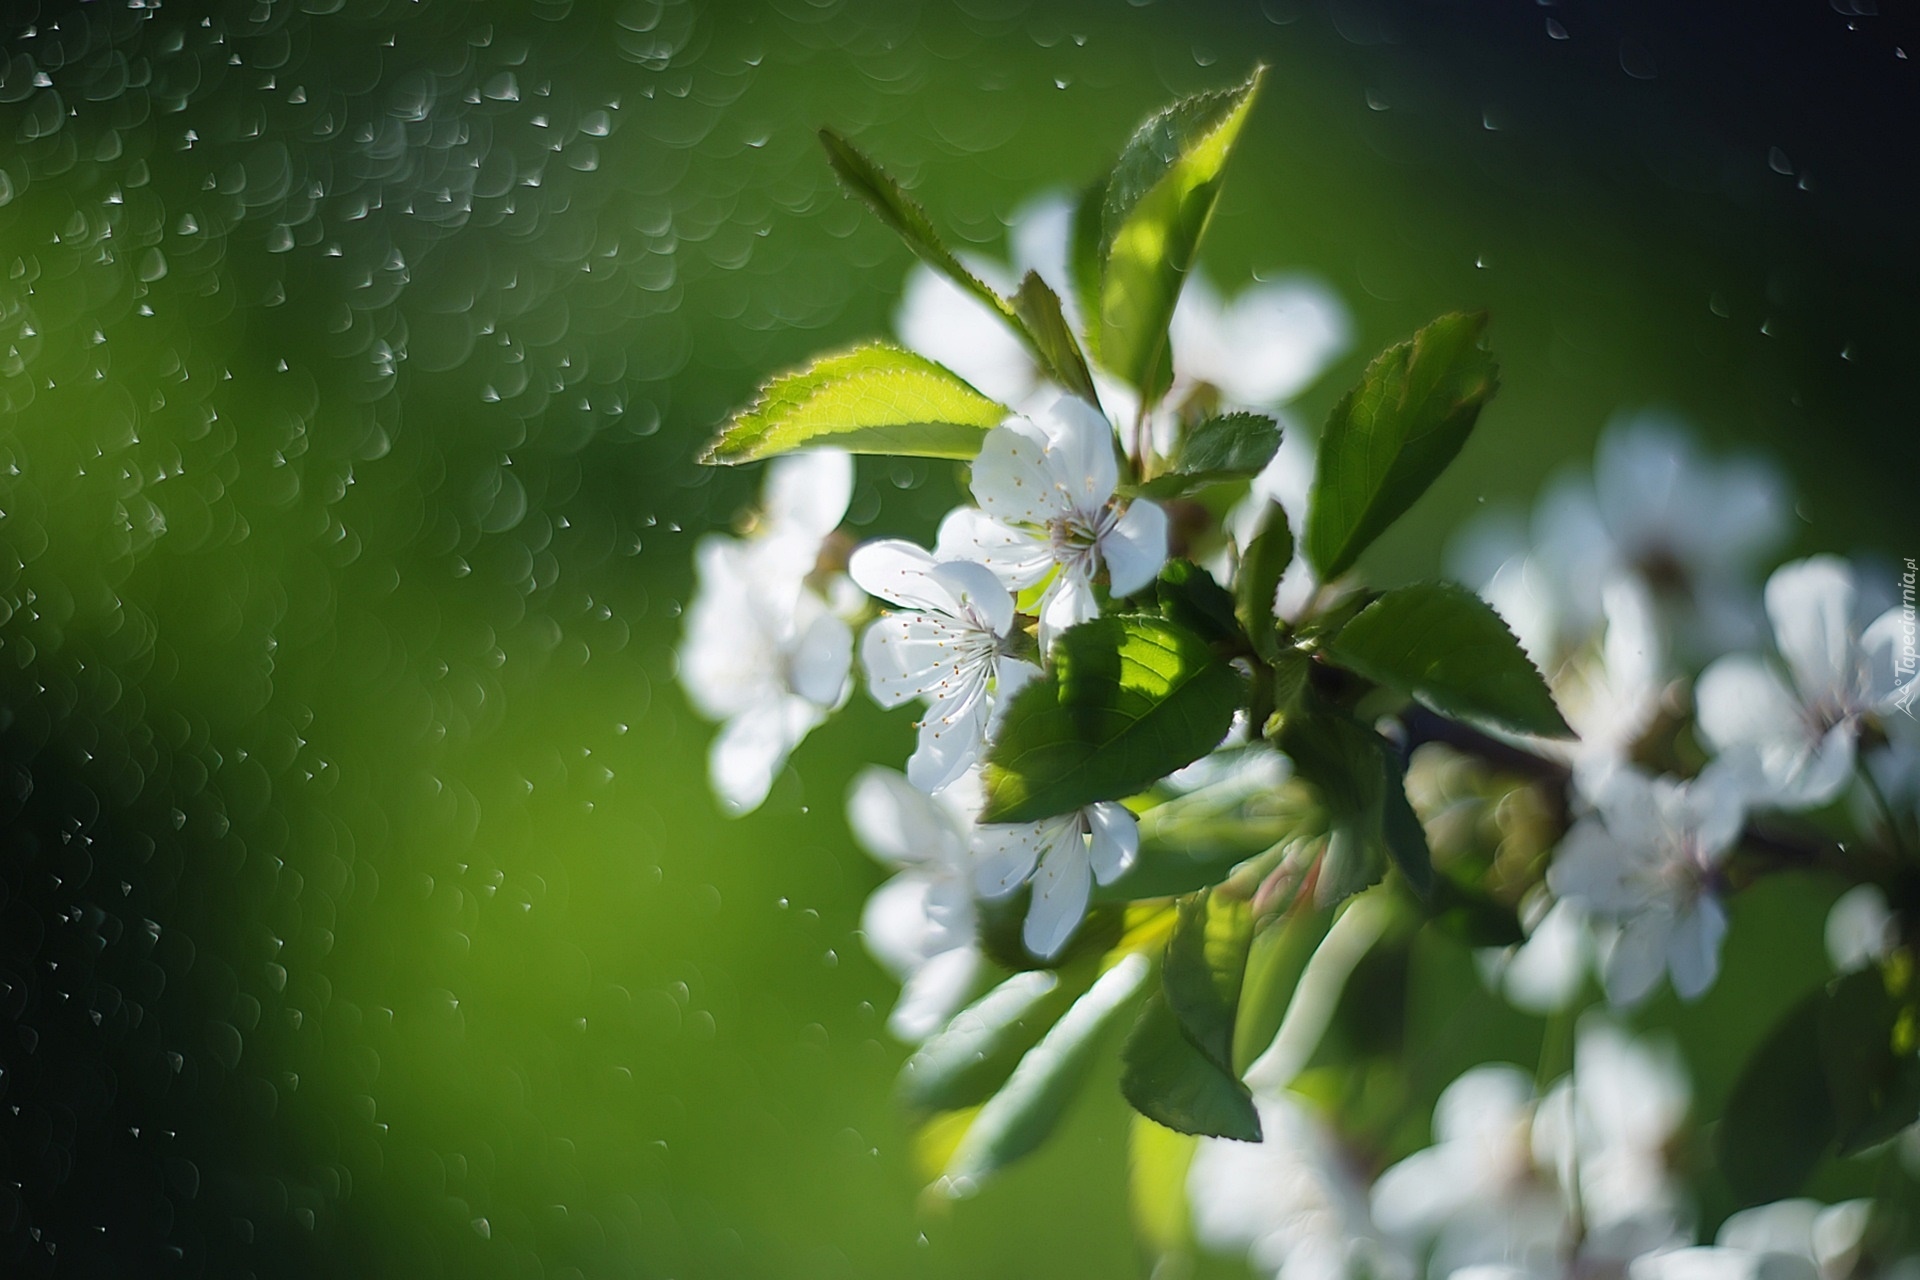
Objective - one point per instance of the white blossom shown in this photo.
(919, 924)
(1061, 856)
(763, 652)
(1264, 346)
(1795, 729)
(1646, 859)
(1046, 492)
(1291, 1202)
(950, 651)
(1516, 1187)
(1480, 1193)
(1827, 1236)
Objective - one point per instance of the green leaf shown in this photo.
(1357, 776)
(1017, 1119)
(1170, 1081)
(1191, 598)
(875, 398)
(1083, 262)
(864, 177)
(1275, 963)
(1206, 962)
(1038, 307)
(1235, 446)
(1447, 647)
(1874, 1084)
(1393, 433)
(1130, 699)
(1779, 1119)
(1155, 209)
(972, 1056)
(1265, 563)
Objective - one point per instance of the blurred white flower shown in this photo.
(1607, 1128)
(1710, 1262)
(1827, 1236)
(1575, 1183)
(1481, 1193)
(1861, 929)
(1062, 856)
(1545, 973)
(1647, 859)
(1045, 488)
(1795, 731)
(1264, 346)
(1290, 1202)
(919, 924)
(949, 651)
(1690, 529)
(1287, 480)
(762, 652)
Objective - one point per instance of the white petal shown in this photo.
(934, 993)
(1060, 889)
(1591, 867)
(894, 923)
(1012, 480)
(977, 594)
(1742, 700)
(1811, 605)
(1859, 928)
(750, 749)
(1135, 547)
(807, 493)
(1005, 853)
(821, 660)
(1018, 557)
(949, 742)
(1638, 957)
(900, 572)
(896, 821)
(924, 655)
(1693, 948)
(1080, 456)
(1548, 969)
(1068, 602)
(1716, 809)
(1116, 839)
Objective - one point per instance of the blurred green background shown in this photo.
(363, 909)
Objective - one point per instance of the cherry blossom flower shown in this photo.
(1795, 731)
(1047, 506)
(919, 924)
(949, 651)
(1061, 856)
(1646, 860)
(1481, 1192)
(1291, 1202)
(763, 652)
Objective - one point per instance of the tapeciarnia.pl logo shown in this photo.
(1905, 659)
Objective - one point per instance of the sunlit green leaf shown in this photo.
(1206, 962)
(1017, 1119)
(1235, 446)
(1155, 209)
(1190, 597)
(1265, 563)
(1170, 1081)
(1038, 307)
(1130, 699)
(1447, 647)
(1393, 433)
(1275, 962)
(874, 398)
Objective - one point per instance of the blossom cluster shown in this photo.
(1176, 763)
